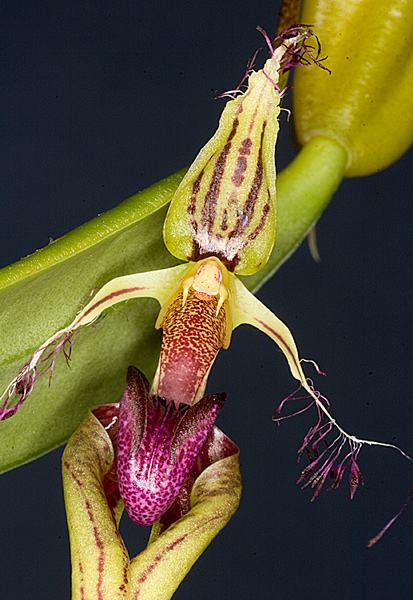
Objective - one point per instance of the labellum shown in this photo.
(194, 324)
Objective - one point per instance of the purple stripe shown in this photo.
(248, 209)
(208, 212)
(112, 295)
(281, 339)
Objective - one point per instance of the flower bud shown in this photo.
(365, 104)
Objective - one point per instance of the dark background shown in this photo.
(101, 99)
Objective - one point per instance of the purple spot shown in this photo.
(245, 146)
(238, 176)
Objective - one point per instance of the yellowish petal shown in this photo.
(154, 284)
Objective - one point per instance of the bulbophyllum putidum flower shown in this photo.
(222, 220)
(365, 105)
(101, 567)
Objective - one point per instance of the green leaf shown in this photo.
(42, 293)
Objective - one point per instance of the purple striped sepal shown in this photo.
(225, 204)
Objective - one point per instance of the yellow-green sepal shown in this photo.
(100, 561)
(209, 213)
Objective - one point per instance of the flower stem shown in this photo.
(304, 189)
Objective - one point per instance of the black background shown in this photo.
(101, 99)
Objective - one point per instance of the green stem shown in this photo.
(128, 212)
(304, 189)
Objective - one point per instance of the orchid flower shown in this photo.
(222, 220)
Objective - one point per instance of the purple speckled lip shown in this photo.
(158, 446)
